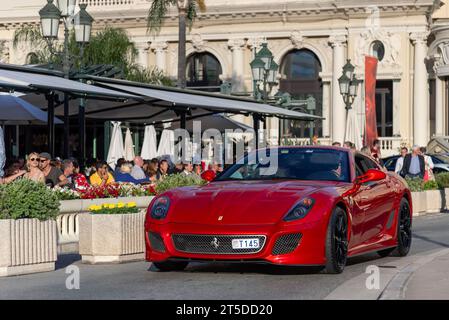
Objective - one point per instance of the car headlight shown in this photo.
(300, 210)
(159, 209)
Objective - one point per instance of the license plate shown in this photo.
(245, 243)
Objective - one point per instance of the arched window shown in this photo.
(378, 50)
(300, 71)
(203, 70)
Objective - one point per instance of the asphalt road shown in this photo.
(210, 281)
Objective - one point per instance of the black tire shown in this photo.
(337, 242)
(386, 252)
(171, 265)
(404, 232)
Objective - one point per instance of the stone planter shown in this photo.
(419, 202)
(111, 238)
(27, 246)
(433, 201)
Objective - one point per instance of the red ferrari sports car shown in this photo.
(319, 206)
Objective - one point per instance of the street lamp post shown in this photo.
(83, 28)
(50, 17)
(264, 70)
(349, 86)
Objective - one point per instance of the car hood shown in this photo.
(239, 203)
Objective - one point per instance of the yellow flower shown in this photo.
(111, 206)
(131, 204)
(92, 207)
(105, 205)
(120, 205)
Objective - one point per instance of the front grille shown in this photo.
(286, 243)
(156, 242)
(213, 244)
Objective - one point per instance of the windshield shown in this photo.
(293, 164)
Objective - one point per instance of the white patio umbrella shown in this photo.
(167, 145)
(129, 146)
(2, 153)
(352, 132)
(149, 146)
(116, 150)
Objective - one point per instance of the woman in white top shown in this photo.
(428, 174)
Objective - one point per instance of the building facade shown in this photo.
(311, 41)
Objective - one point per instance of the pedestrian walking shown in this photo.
(428, 166)
(414, 164)
(400, 161)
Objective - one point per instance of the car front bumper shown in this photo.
(310, 249)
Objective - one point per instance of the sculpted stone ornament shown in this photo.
(297, 39)
(236, 44)
(159, 46)
(392, 45)
(198, 43)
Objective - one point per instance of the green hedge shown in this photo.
(178, 180)
(418, 184)
(442, 180)
(24, 198)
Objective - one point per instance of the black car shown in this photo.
(441, 162)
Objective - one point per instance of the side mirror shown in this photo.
(371, 175)
(208, 175)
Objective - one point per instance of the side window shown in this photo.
(359, 165)
(363, 164)
(371, 164)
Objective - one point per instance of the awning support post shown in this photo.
(82, 132)
(50, 123)
(66, 126)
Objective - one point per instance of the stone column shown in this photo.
(326, 107)
(396, 108)
(142, 56)
(338, 113)
(439, 106)
(238, 73)
(420, 90)
(160, 49)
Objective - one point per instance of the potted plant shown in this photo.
(28, 228)
(419, 198)
(112, 233)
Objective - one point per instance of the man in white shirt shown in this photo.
(137, 171)
(400, 161)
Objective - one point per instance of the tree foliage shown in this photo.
(110, 46)
(159, 9)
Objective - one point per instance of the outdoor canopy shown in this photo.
(135, 100)
(37, 80)
(167, 102)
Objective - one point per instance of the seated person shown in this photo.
(102, 176)
(124, 175)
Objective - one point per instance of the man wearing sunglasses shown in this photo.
(53, 176)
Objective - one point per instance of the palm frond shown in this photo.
(156, 14)
(192, 11)
(201, 5)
